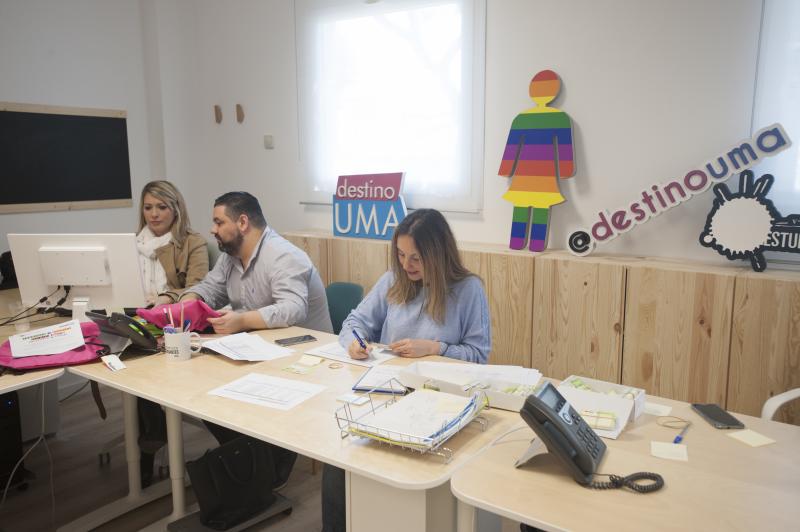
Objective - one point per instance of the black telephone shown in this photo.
(564, 432)
(121, 325)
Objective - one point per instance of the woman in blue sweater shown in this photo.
(427, 304)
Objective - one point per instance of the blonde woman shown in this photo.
(171, 255)
(427, 304)
(172, 258)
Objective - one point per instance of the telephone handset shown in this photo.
(121, 325)
(564, 432)
(135, 331)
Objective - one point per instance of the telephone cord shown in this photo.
(632, 482)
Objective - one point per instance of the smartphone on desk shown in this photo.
(564, 432)
(716, 416)
(293, 340)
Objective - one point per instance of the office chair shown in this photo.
(342, 298)
(774, 403)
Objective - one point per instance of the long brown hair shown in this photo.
(169, 194)
(441, 262)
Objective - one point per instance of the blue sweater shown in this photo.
(465, 333)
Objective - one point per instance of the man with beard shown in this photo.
(267, 280)
(269, 283)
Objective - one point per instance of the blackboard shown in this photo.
(63, 158)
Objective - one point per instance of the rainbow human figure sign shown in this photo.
(539, 149)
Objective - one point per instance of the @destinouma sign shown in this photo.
(661, 197)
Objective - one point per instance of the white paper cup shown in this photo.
(178, 346)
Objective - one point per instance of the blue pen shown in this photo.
(679, 437)
(360, 341)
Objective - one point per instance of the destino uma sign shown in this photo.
(368, 205)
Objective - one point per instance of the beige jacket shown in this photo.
(184, 265)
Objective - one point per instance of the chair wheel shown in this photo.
(104, 458)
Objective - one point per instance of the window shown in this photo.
(777, 99)
(393, 86)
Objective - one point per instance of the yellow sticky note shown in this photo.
(308, 360)
(670, 451)
(751, 438)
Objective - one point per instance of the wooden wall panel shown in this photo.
(508, 279)
(316, 247)
(578, 317)
(677, 331)
(765, 343)
(358, 261)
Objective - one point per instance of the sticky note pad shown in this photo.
(353, 398)
(751, 438)
(655, 409)
(670, 451)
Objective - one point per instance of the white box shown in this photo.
(621, 390)
(462, 381)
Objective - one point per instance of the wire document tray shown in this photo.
(375, 422)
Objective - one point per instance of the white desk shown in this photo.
(10, 382)
(725, 485)
(388, 489)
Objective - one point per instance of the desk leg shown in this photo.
(176, 467)
(136, 495)
(372, 505)
(467, 517)
(130, 415)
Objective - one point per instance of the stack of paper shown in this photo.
(335, 351)
(422, 418)
(244, 346)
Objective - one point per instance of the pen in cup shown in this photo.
(359, 340)
(679, 437)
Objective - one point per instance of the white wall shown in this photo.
(654, 88)
(85, 53)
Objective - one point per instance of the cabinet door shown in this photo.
(765, 343)
(358, 261)
(577, 317)
(508, 280)
(316, 247)
(677, 331)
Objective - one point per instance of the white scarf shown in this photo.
(153, 275)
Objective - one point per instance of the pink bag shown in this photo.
(195, 311)
(92, 350)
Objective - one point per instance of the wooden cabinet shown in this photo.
(692, 332)
(578, 317)
(765, 342)
(677, 330)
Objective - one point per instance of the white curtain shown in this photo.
(393, 86)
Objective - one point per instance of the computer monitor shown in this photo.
(101, 267)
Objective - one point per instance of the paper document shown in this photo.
(264, 390)
(245, 346)
(379, 378)
(334, 351)
(421, 414)
(47, 340)
(751, 438)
